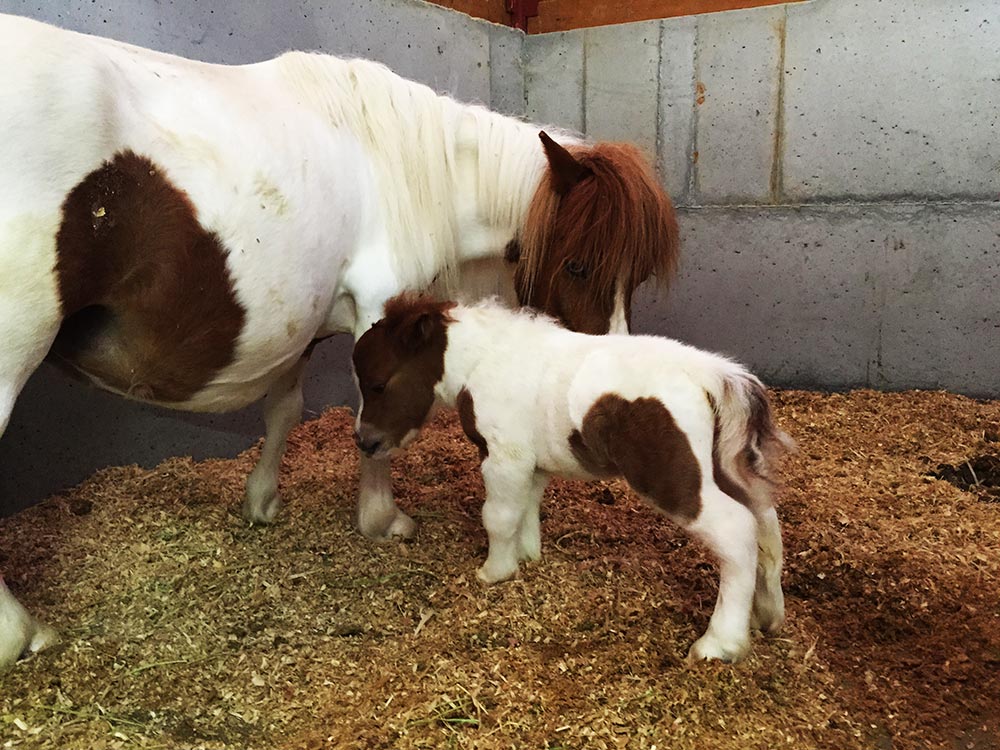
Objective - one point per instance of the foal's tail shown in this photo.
(747, 442)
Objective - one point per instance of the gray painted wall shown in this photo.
(838, 168)
(62, 431)
(836, 165)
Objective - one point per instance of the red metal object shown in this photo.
(520, 11)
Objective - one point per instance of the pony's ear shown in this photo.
(566, 170)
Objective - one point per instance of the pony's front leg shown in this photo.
(282, 411)
(379, 517)
(20, 633)
(511, 492)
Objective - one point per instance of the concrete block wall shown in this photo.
(62, 431)
(837, 171)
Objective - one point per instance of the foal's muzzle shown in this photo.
(370, 441)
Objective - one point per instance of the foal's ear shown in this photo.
(420, 330)
(566, 170)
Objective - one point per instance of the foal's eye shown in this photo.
(378, 388)
(576, 269)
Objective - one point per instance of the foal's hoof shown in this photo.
(495, 574)
(712, 647)
(767, 622)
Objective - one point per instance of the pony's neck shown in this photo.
(452, 182)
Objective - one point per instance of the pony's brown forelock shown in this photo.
(618, 222)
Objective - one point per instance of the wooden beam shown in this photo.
(490, 10)
(562, 15)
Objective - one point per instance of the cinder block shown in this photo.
(941, 315)
(553, 79)
(677, 105)
(621, 75)
(789, 292)
(737, 64)
(890, 297)
(506, 70)
(892, 100)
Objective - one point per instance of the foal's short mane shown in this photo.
(404, 312)
(618, 222)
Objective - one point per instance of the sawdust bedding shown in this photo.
(184, 628)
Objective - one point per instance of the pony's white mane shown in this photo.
(427, 151)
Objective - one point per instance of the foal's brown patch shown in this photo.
(148, 304)
(467, 416)
(640, 441)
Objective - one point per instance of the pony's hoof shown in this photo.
(400, 526)
(711, 647)
(43, 638)
(29, 637)
(261, 512)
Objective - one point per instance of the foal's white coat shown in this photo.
(533, 382)
(332, 184)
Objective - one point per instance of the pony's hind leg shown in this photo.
(20, 633)
(30, 314)
(729, 530)
(282, 412)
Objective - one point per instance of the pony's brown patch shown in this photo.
(148, 304)
(590, 229)
(467, 416)
(398, 361)
(640, 441)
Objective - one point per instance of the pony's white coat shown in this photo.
(533, 383)
(332, 185)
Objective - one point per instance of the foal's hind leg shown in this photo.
(282, 412)
(768, 613)
(729, 530)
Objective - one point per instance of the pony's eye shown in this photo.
(576, 269)
(378, 388)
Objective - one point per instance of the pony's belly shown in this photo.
(112, 353)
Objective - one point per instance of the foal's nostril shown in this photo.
(367, 446)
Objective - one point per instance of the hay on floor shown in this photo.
(184, 628)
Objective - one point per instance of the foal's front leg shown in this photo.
(282, 411)
(512, 493)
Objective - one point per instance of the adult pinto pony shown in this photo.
(182, 233)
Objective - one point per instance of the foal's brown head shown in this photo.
(397, 362)
(598, 226)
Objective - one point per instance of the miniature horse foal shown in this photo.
(690, 431)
